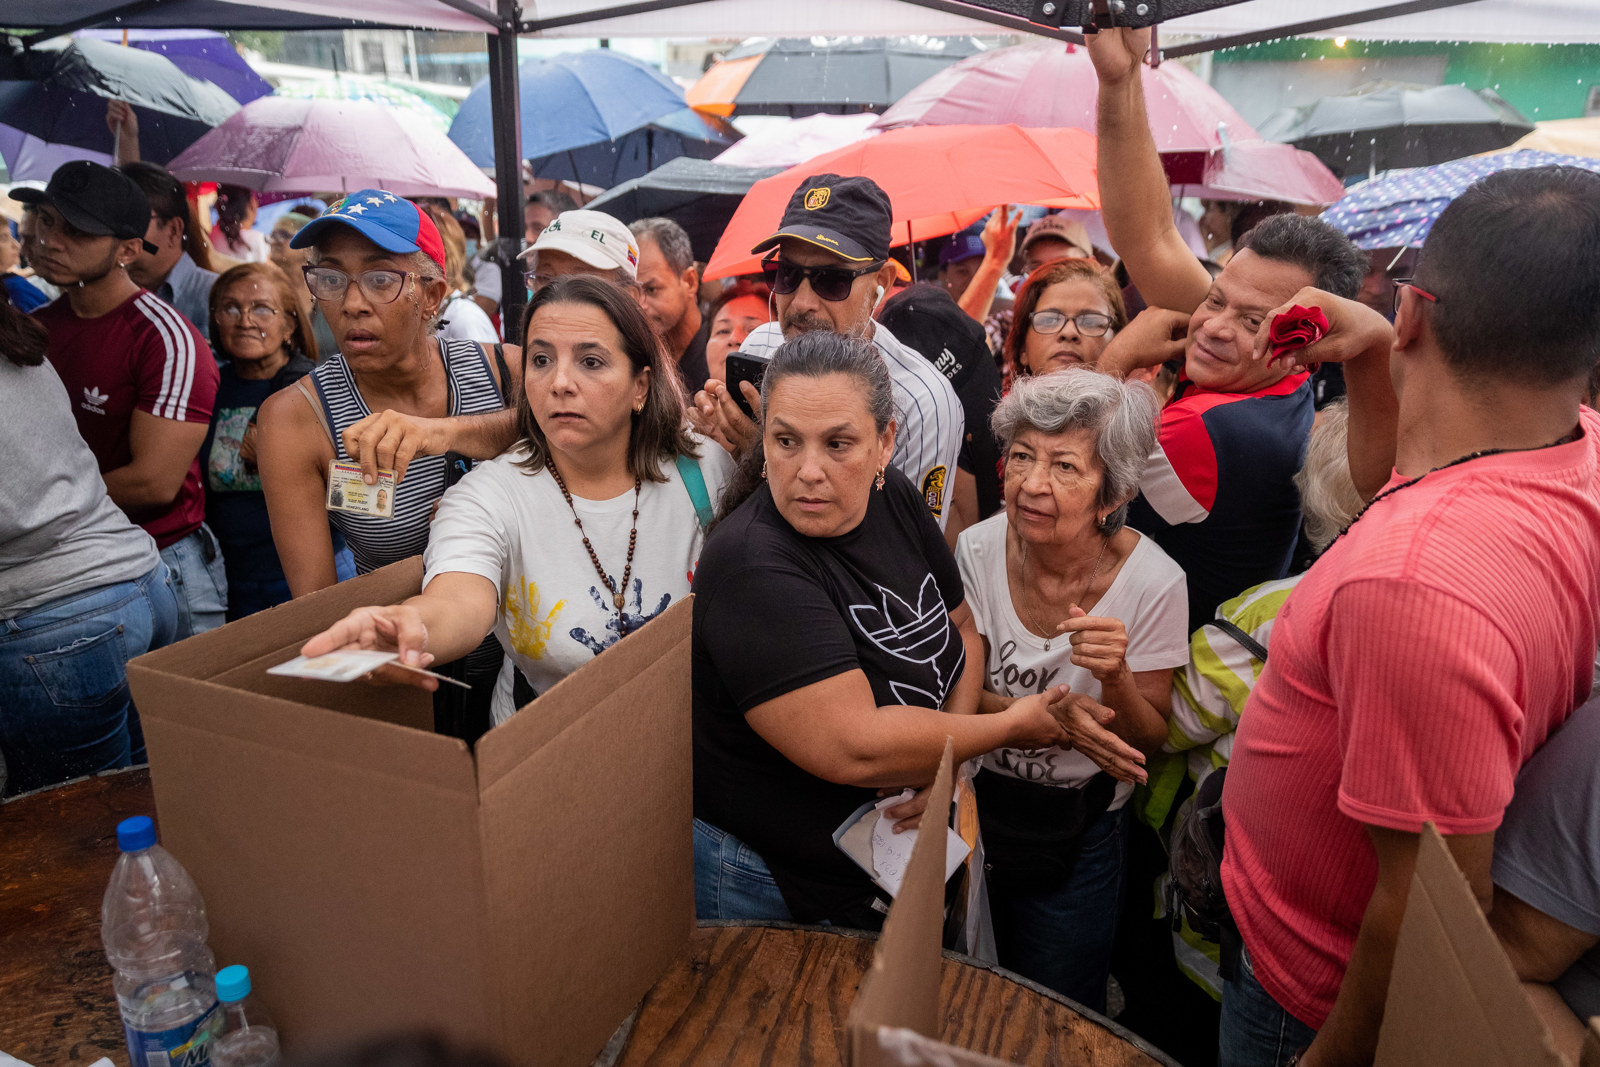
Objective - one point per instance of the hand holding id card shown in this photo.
(347, 492)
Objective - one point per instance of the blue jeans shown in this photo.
(1256, 1030)
(199, 580)
(731, 881)
(66, 710)
(1062, 938)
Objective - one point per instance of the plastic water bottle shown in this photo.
(153, 923)
(247, 1037)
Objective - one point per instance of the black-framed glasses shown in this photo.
(832, 284)
(1407, 283)
(261, 314)
(1089, 323)
(378, 286)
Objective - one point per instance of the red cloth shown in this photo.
(1296, 328)
(1414, 670)
(144, 356)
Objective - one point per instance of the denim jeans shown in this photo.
(1256, 1030)
(66, 710)
(1062, 938)
(200, 581)
(731, 881)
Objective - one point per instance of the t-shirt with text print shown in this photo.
(1148, 596)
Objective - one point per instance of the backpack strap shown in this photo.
(695, 482)
(505, 376)
(1251, 645)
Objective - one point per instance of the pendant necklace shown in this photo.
(1086, 587)
(619, 593)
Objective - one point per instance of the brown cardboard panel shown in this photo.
(402, 705)
(352, 892)
(598, 872)
(902, 988)
(209, 654)
(1454, 999)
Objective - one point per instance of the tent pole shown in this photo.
(505, 102)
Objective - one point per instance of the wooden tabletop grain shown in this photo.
(738, 994)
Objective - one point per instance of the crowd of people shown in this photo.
(1064, 529)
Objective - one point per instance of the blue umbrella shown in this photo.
(683, 133)
(1397, 209)
(569, 102)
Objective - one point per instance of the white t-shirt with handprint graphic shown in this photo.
(515, 529)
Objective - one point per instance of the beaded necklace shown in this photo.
(618, 593)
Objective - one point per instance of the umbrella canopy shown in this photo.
(278, 145)
(683, 133)
(64, 100)
(781, 143)
(1051, 84)
(1265, 170)
(428, 109)
(939, 179)
(1388, 127)
(699, 195)
(203, 54)
(571, 101)
(1396, 210)
(810, 75)
(1567, 137)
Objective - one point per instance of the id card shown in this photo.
(348, 666)
(347, 492)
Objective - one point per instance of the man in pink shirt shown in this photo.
(1434, 647)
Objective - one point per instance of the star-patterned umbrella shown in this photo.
(1397, 209)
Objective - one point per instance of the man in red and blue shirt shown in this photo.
(141, 377)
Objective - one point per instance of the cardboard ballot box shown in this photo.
(374, 875)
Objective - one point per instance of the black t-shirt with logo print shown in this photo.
(776, 611)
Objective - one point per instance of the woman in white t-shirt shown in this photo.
(588, 529)
(1065, 594)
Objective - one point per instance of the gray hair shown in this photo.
(1121, 417)
(1328, 494)
(670, 238)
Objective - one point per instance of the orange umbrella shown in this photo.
(715, 91)
(940, 179)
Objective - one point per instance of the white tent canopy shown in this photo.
(1504, 21)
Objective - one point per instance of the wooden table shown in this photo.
(774, 994)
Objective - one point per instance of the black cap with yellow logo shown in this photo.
(849, 217)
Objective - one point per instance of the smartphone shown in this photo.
(743, 368)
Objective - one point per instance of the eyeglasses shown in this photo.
(378, 286)
(1089, 323)
(832, 284)
(1406, 283)
(261, 314)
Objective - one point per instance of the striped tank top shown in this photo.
(377, 542)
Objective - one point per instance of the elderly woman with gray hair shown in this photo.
(1064, 594)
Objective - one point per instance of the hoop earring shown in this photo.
(879, 483)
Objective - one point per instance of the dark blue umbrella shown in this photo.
(1397, 209)
(203, 54)
(683, 133)
(63, 100)
(699, 195)
(571, 102)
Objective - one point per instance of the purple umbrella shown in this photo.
(279, 144)
(201, 54)
(1397, 209)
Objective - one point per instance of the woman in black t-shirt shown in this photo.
(832, 645)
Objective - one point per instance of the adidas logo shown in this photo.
(94, 399)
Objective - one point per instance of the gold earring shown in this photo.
(880, 478)
(763, 469)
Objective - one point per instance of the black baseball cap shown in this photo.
(95, 199)
(849, 217)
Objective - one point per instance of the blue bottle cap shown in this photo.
(233, 983)
(136, 834)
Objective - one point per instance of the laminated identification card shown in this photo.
(349, 665)
(347, 492)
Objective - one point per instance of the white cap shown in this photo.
(593, 237)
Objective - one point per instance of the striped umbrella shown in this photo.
(1397, 209)
(437, 110)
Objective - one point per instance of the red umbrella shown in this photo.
(1051, 84)
(940, 179)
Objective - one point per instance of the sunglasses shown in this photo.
(832, 284)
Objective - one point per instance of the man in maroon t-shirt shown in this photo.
(141, 377)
